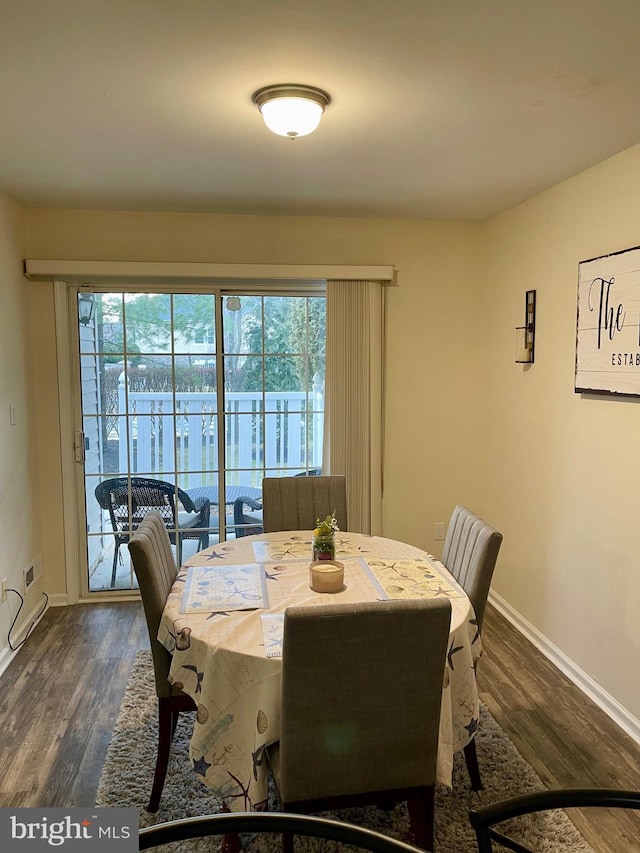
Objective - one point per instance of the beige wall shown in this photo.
(19, 510)
(556, 472)
(432, 387)
(562, 474)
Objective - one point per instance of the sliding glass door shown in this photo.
(188, 400)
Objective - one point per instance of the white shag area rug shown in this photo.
(128, 773)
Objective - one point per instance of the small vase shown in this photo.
(324, 547)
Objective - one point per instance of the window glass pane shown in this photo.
(236, 370)
(108, 313)
(285, 324)
(286, 373)
(147, 320)
(194, 326)
(242, 321)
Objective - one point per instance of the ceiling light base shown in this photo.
(291, 109)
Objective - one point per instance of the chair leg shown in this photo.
(175, 716)
(114, 570)
(287, 837)
(421, 817)
(287, 842)
(230, 840)
(166, 727)
(471, 757)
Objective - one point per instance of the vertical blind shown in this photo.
(354, 397)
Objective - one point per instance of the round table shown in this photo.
(228, 657)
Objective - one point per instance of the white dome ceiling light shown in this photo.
(290, 109)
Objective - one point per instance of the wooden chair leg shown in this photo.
(471, 757)
(175, 716)
(165, 736)
(287, 837)
(421, 817)
(287, 842)
(230, 840)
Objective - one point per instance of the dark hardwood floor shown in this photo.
(61, 694)
(563, 735)
(60, 697)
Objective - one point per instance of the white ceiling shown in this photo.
(447, 109)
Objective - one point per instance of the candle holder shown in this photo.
(326, 576)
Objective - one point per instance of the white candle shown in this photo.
(326, 576)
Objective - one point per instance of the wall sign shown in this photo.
(608, 326)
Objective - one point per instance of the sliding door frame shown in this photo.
(70, 408)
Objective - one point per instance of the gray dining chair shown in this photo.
(155, 569)
(296, 503)
(470, 553)
(361, 695)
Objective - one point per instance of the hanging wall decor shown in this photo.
(608, 325)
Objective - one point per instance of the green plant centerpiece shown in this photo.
(324, 538)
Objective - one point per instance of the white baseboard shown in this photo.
(612, 708)
(6, 653)
(6, 656)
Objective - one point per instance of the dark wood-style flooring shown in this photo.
(61, 694)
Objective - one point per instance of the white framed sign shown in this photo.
(608, 325)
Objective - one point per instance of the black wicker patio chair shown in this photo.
(247, 516)
(185, 517)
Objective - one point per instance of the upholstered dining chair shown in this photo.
(296, 503)
(247, 512)
(145, 494)
(361, 694)
(470, 552)
(155, 568)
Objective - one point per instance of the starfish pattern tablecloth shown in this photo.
(229, 660)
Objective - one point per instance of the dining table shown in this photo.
(223, 624)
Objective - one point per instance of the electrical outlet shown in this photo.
(440, 528)
(3, 589)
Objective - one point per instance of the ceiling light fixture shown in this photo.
(289, 109)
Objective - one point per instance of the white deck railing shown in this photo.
(263, 432)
